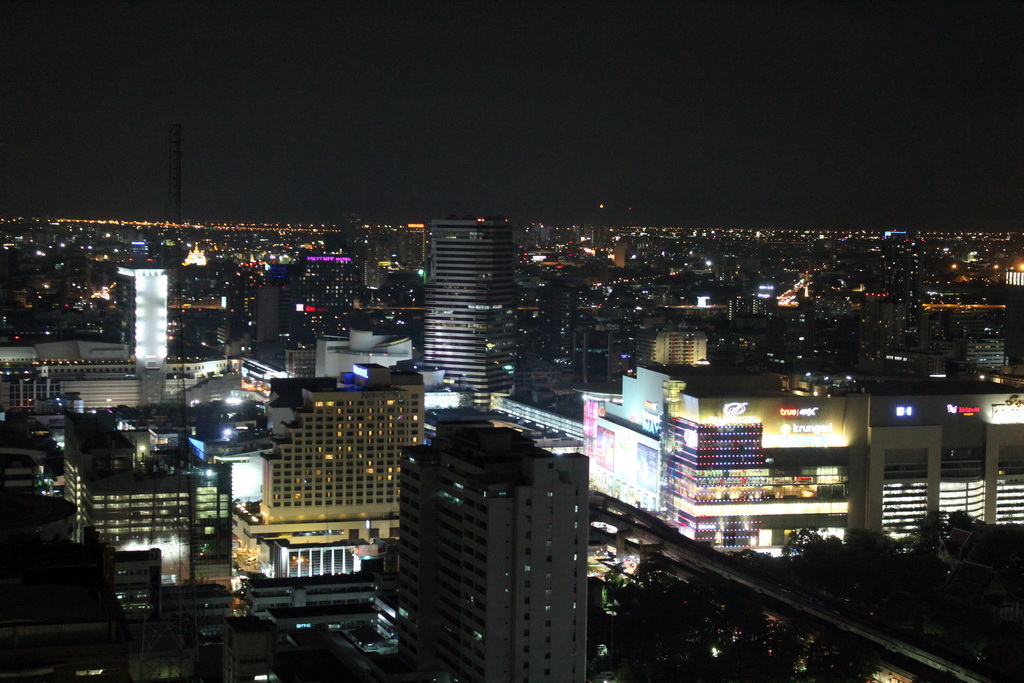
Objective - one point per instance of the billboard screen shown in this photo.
(604, 449)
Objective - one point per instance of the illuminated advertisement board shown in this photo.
(652, 417)
(647, 467)
(787, 422)
(592, 410)
(604, 449)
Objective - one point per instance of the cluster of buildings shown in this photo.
(742, 459)
(410, 497)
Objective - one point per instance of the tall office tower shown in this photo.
(492, 572)
(327, 290)
(671, 347)
(901, 277)
(470, 323)
(273, 313)
(142, 304)
(557, 303)
(336, 466)
(1013, 320)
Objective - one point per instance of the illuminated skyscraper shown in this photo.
(901, 276)
(326, 293)
(470, 323)
(143, 307)
(1013, 321)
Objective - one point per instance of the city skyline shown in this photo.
(790, 115)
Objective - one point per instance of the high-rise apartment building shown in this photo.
(883, 324)
(470, 323)
(492, 575)
(335, 468)
(901, 268)
(672, 347)
(412, 245)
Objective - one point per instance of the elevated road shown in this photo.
(694, 557)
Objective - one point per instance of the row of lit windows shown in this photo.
(347, 501)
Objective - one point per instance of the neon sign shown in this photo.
(806, 429)
(954, 409)
(1011, 412)
(338, 259)
(799, 412)
(734, 409)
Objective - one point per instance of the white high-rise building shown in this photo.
(143, 305)
(470, 324)
(492, 572)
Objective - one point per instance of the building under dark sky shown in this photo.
(728, 114)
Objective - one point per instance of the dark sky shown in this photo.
(698, 114)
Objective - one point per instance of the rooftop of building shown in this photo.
(930, 387)
(126, 556)
(131, 483)
(311, 666)
(307, 581)
(601, 389)
(29, 511)
(288, 392)
(202, 591)
(346, 609)
(12, 438)
(44, 562)
(711, 382)
(249, 625)
(49, 604)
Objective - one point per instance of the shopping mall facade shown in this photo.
(740, 460)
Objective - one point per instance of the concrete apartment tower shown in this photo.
(470, 324)
(492, 571)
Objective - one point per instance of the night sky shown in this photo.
(696, 114)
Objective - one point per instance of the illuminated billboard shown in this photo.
(647, 467)
(787, 422)
(604, 449)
